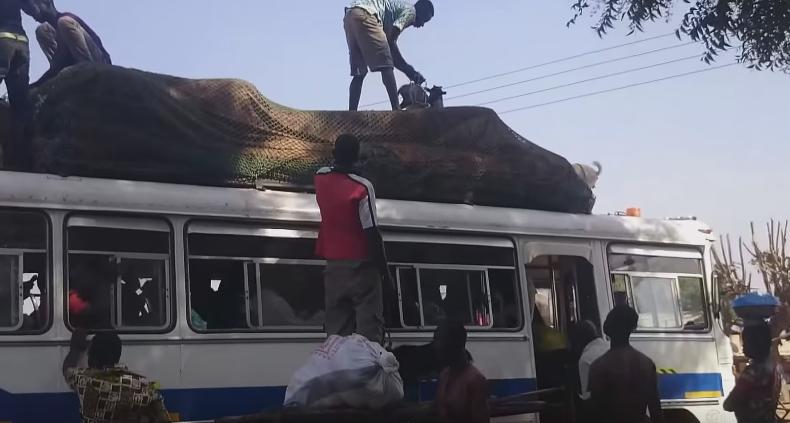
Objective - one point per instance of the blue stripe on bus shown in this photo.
(201, 404)
(677, 386)
(209, 403)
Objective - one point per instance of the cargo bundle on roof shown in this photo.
(111, 122)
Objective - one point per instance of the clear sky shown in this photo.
(715, 145)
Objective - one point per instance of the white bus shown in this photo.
(218, 296)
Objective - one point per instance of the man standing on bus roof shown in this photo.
(372, 30)
(623, 382)
(107, 391)
(15, 71)
(350, 241)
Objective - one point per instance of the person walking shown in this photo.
(66, 40)
(350, 241)
(107, 391)
(372, 30)
(756, 394)
(623, 382)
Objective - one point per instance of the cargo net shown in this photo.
(105, 121)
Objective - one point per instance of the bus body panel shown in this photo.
(210, 375)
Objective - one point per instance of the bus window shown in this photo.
(666, 290)
(248, 278)
(218, 296)
(118, 274)
(545, 298)
(505, 304)
(473, 284)
(284, 299)
(430, 295)
(563, 291)
(24, 288)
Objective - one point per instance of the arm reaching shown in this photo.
(79, 344)
(397, 57)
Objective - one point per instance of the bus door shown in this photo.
(562, 293)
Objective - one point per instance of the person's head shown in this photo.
(450, 338)
(757, 341)
(105, 350)
(44, 11)
(620, 323)
(425, 12)
(346, 152)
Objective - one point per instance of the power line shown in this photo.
(652, 81)
(551, 62)
(618, 59)
(570, 84)
(560, 60)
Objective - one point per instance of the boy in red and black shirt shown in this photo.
(351, 243)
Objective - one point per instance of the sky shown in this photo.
(712, 145)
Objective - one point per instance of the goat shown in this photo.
(413, 97)
(588, 174)
(436, 97)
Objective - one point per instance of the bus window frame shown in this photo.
(19, 290)
(552, 270)
(48, 271)
(298, 229)
(255, 327)
(127, 220)
(471, 268)
(265, 229)
(669, 251)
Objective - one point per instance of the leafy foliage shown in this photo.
(761, 26)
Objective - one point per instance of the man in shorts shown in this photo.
(372, 31)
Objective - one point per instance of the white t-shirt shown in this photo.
(596, 348)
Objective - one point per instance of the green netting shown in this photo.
(113, 122)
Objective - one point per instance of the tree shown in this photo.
(761, 26)
(772, 263)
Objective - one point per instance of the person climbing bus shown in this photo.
(372, 30)
(350, 241)
(66, 40)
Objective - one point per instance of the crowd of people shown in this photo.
(617, 383)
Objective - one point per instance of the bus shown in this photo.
(218, 296)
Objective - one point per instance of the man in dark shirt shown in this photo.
(66, 40)
(623, 382)
(350, 241)
(15, 70)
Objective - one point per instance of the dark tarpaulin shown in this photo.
(112, 122)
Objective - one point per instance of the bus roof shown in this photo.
(77, 193)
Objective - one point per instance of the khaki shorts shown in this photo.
(368, 47)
